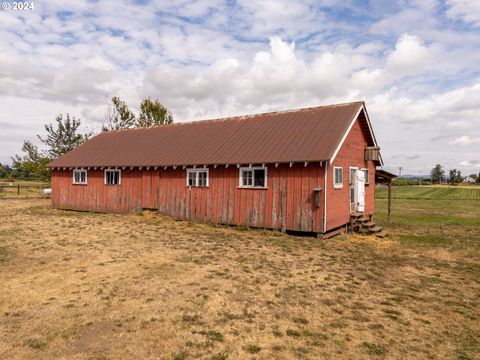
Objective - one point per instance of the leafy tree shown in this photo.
(455, 176)
(119, 116)
(5, 171)
(152, 113)
(33, 163)
(437, 174)
(474, 176)
(63, 136)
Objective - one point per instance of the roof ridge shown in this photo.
(240, 117)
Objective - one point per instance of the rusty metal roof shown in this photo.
(310, 134)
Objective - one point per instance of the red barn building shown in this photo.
(300, 170)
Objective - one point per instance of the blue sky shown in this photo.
(415, 63)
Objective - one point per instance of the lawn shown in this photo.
(433, 192)
(99, 286)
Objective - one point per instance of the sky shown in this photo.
(416, 64)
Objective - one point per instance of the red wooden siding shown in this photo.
(288, 202)
(350, 154)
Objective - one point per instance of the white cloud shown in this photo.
(410, 57)
(464, 141)
(466, 10)
(470, 163)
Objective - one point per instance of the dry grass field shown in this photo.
(98, 286)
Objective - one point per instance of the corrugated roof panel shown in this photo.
(310, 134)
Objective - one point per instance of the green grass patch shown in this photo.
(431, 239)
(3, 253)
(431, 192)
(35, 343)
(253, 349)
(214, 335)
(375, 349)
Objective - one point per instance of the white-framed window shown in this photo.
(367, 173)
(337, 177)
(113, 177)
(197, 177)
(79, 176)
(352, 175)
(253, 177)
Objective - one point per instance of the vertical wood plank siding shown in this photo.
(352, 153)
(287, 203)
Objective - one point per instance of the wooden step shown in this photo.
(356, 214)
(363, 219)
(375, 229)
(368, 224)
(381, 234)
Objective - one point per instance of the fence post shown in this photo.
(18, 189)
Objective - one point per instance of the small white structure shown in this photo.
(469, 180)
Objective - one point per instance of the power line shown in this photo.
(53, 95)
(68, 93)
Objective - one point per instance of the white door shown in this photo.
(361, 190)
(352, 181)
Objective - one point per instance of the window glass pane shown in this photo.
(338, 176)
(259, 178)
(202, 178)
(352, 176)
(366, 176)
(113, 177)
(80, 176)
(247, 177)
(191, 178)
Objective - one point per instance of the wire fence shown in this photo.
(23, 191)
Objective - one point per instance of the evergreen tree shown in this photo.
(437, 174)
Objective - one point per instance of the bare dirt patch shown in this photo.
(99, 286)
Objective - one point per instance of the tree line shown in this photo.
(64, 135)
(439, 176)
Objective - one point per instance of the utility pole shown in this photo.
(400, 172)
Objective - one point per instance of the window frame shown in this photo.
(366, 172)
(337, 185)
(79, 171)
(253, 168)
(350, 180)
(113, 170)
(196, 171)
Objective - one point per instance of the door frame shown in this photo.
(353, 185)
